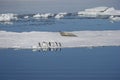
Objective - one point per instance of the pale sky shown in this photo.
(53, 6)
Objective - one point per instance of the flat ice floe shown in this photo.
(29, 40)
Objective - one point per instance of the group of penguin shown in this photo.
(48, 46)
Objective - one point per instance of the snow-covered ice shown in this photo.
(84, 39)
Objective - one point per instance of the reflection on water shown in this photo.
(101, 63)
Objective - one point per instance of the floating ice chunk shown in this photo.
(61, 15)
(7, 17)
(99, 12)
(36, 15)
(26, 17)
(114, 18)
(46, 15)
(93, 12)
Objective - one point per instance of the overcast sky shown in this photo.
(35, 6)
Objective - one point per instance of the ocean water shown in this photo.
(26, 25)
(99, 63)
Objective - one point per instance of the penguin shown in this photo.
(56, 44)
(49, 44)
(59, 44)
(39, 44)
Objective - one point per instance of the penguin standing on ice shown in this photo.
(39, 44)
(56, 44)
(59, 44)
(49, 44)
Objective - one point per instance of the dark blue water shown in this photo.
(101, 63)
(60, 25)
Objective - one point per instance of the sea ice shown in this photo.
(83, 39)
(99, 12)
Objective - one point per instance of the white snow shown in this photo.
(83, 39)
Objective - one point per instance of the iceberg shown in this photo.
(35, 40)
(99, 12)
(92, 13)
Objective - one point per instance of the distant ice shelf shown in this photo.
(34, 40)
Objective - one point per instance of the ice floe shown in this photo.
(99, 12)
(7, 17)
(61, 15)
(38, 40)
(113, 18)
(26, 17)
(46, 15)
